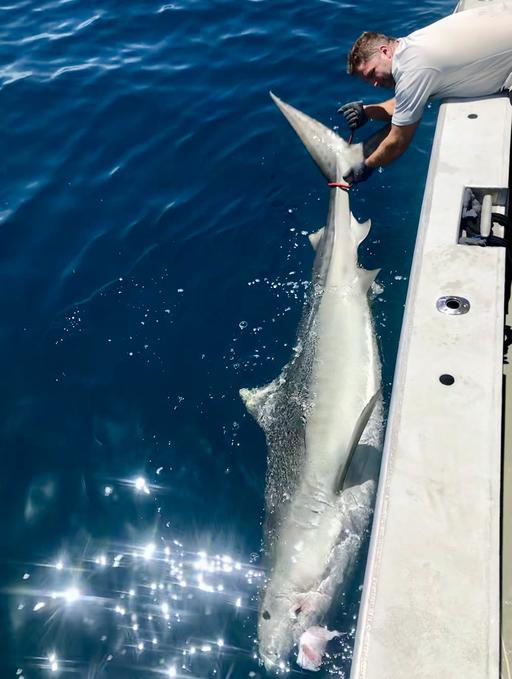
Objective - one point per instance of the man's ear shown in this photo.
(386, 50)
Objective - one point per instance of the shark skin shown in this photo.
(333, 155)
(322, 419)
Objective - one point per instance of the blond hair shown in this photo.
(364, 48)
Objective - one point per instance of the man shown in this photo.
(467, 54)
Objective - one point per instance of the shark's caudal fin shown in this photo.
(324, 145)
(371, 143)
(359, 427)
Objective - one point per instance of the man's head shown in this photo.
(370, 58)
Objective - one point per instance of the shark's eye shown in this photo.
(297, 610)
(265, 615)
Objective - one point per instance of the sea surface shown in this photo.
(154, 206)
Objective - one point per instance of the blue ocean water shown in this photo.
(153, 261)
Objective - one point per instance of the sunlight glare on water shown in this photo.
(149, 598)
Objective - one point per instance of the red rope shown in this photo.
(338, 185)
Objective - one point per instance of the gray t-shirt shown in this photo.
(467, 54)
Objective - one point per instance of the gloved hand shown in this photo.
(358, 173)
(354, 114)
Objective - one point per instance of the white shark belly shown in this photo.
(340, 387)
(340, 391)
(308, 535)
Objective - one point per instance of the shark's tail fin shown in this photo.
(324, 145)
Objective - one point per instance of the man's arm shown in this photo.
(382, 111)
(392, 146)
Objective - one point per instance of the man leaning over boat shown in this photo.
(467, 54)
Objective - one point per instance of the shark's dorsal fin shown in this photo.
(357, 432)
(360, 230)
(316, 237)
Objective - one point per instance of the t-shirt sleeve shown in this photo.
(411, 95)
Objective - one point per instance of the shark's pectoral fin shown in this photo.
(315, 238)
(357, 432)
(255, 399)
(259, 400)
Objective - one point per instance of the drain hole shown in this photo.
(453, 304)
(448, 380)
(472, 116)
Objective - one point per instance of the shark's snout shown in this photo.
(275, 631)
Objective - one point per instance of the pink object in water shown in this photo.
(312, 645)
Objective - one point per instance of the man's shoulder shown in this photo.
(411, 56)
(408, 49)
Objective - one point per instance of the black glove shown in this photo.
(358, 173)
(354, 114)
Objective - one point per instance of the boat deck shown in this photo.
(437, 599)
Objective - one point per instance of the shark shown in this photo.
(322, 419)
(330, 152)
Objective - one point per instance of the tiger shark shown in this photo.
(322, 418)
